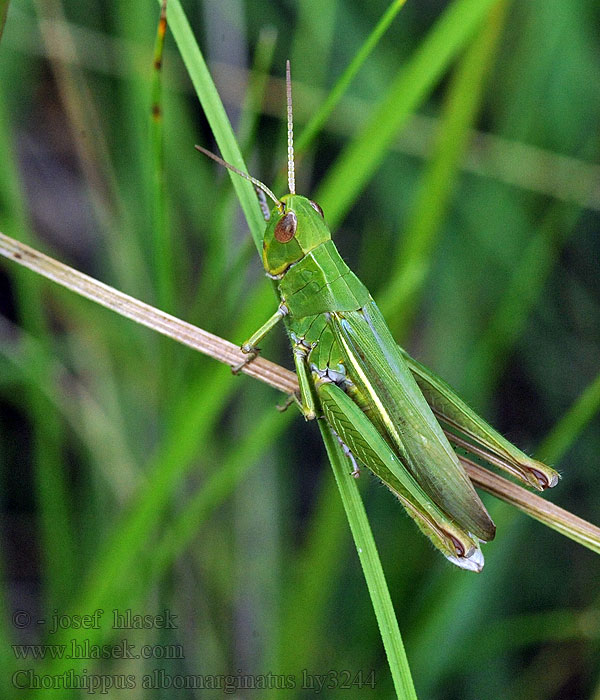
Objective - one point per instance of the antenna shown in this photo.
(290, 120)
(253, 180)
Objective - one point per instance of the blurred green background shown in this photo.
(139, 475)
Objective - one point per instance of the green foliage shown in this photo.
(148, 477)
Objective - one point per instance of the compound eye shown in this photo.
(316, 207)
(286, 227)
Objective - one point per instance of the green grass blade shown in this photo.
(319, 119)
(100, 436)
(399, 300)
(324, 543)
(544, 511)
(224, 136)
(3, 13)
(162, 246)
(457, 594)
(130, 541)
(257, 86)
(522, 291)
(314, 34)
(51, 490)
(563, 434)
(225, 283)
(371, 565)
(217, 488)
(414, 81)
(91, 147)
(216, 115)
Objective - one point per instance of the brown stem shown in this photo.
(272, 374)
(147, 315)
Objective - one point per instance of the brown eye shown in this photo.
(316, 207)
(286, 227)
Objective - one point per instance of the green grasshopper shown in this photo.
(382, 406)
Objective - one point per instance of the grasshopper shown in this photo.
(384, 408)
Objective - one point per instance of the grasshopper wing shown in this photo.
(386, 390)
(354, 429)
(453, 411)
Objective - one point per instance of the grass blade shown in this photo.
(158, 490)
(522, 291)
(563, 434)
(215, 113)
(47, 436)
(285, 380)
(162, 246)
(319, 119)
(3, 13)
(142, 313)
(369, 559)
(361, 157)
(399, 300)
(558, 519)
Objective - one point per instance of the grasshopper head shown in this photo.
(296, 224)
(293, 231)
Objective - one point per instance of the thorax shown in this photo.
(321, 282)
